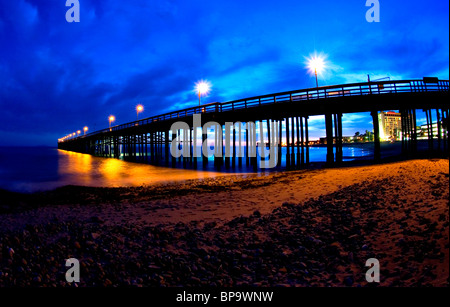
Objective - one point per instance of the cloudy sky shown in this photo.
(57, 77)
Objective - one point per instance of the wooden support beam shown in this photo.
(299, 159)
(166, 146)
(280, 141)
(302, 141)
(329, 136)
(307, 140)
(439, 134)
(339, 137)
(288, 154)
(293, 142)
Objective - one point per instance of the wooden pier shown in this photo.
(151, 139)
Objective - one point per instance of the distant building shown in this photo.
(345, 139)
(390, 125)
(422, 131)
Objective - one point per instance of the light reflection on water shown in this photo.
(86, 170)
(30, 169)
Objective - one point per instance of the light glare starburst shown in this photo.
(202, 87)
(316, 64)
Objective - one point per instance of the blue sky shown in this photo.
(57, 77)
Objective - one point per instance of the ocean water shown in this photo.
(31, 169)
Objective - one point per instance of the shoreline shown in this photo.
(309, 227)
(148, 174)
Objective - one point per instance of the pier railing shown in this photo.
(316, 93)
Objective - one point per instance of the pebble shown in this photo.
(287, 247)
(348, 281)
(37, 279)
(11, 252)
(350, 256)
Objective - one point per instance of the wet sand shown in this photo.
(297, 228)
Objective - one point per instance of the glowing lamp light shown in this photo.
(111, 119)
(85, 129)
(202, 87)
(316, 65)
(139, 109)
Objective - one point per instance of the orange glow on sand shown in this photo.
(86, 170)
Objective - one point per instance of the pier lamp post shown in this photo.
(78, 132)
(111, 119)
(202, 87)
(316, 65)
(139, 109)
(85, 129)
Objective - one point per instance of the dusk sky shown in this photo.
(57, 77)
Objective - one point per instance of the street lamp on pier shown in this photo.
(202, 87)
(111, 119)
(139, 109)
(316, 65)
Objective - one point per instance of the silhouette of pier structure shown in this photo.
(280, 116)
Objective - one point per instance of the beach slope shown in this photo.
(298, 228)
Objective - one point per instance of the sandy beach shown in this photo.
(295, 228)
